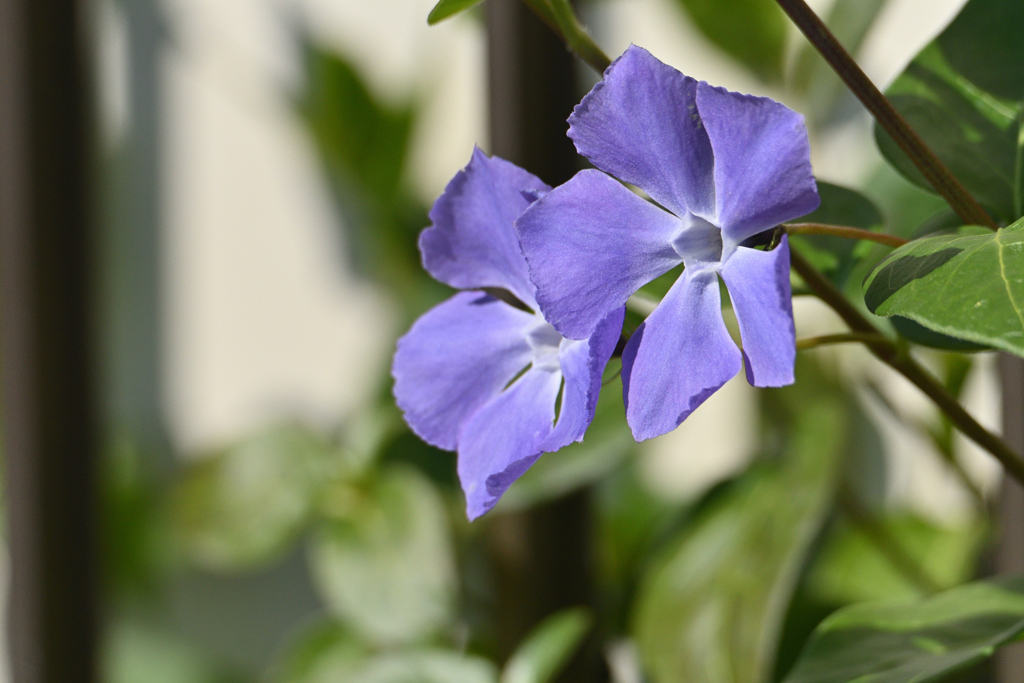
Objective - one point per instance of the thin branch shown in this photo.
(845, 232)
(576, 37)
(909, 368)
(935, 172)
(827, 339)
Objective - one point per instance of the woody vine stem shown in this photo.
(558, 14)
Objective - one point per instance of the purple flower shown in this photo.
(725, 167)
(481, 376)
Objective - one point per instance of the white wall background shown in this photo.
(263, 322)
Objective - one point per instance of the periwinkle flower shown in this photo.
(481, 376)
(724, 167)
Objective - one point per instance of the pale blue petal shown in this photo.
(758, 283)
(472, 242)
(458, 356)
(591, 243)
(678, 357)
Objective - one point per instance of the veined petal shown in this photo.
(591, 243)
(678, 357)
(457, 357)
(582, 364)
(503, 438)
(762, 161)
(640, 124)
(472, 242)
(758, 283)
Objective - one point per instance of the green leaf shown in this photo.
(365, 144)
(447, 8)
(914, 641)
(851, 568)
(964, 94)
(330, 654)
(424, 666)
(135, 652)
(751, 31)
(383, 558)
(839, 206)
(246, 505)
(548, 649)
(711, 610)
(606, 445)
(966, 286)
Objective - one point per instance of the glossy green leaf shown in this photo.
(383, 558)
(835, 256)
(246, 505)
(548, 649)
(751, 31)
(447, 8)
(711, 610)
(913, 641)
(851, 568)
(964, 94)
(968, 286)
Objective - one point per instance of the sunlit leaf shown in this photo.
(914, 641)
(711, 610)
(851, 568)
(446, 8)
(244, 506)
(963, 94)
(548, 649)
(969, 286)
(751, 31)
(383, 558)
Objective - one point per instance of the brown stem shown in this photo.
(827, 339)
(845, 232)
(935, 172)
(909, 368)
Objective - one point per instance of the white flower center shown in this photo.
(545, 342)
(698, 243)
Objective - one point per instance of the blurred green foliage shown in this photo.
(727, 587)
(751, 31)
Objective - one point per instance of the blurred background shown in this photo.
(263, 169)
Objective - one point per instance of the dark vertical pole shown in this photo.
(47, 401)
(1010, 551)
(543, 556)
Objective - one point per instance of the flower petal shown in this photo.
(457, 357)
(678, 357)
(503, 438)
(590, 244)
(582, 364)
(758, 283)
(472, 242)
(763, 171)
(640, 124)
